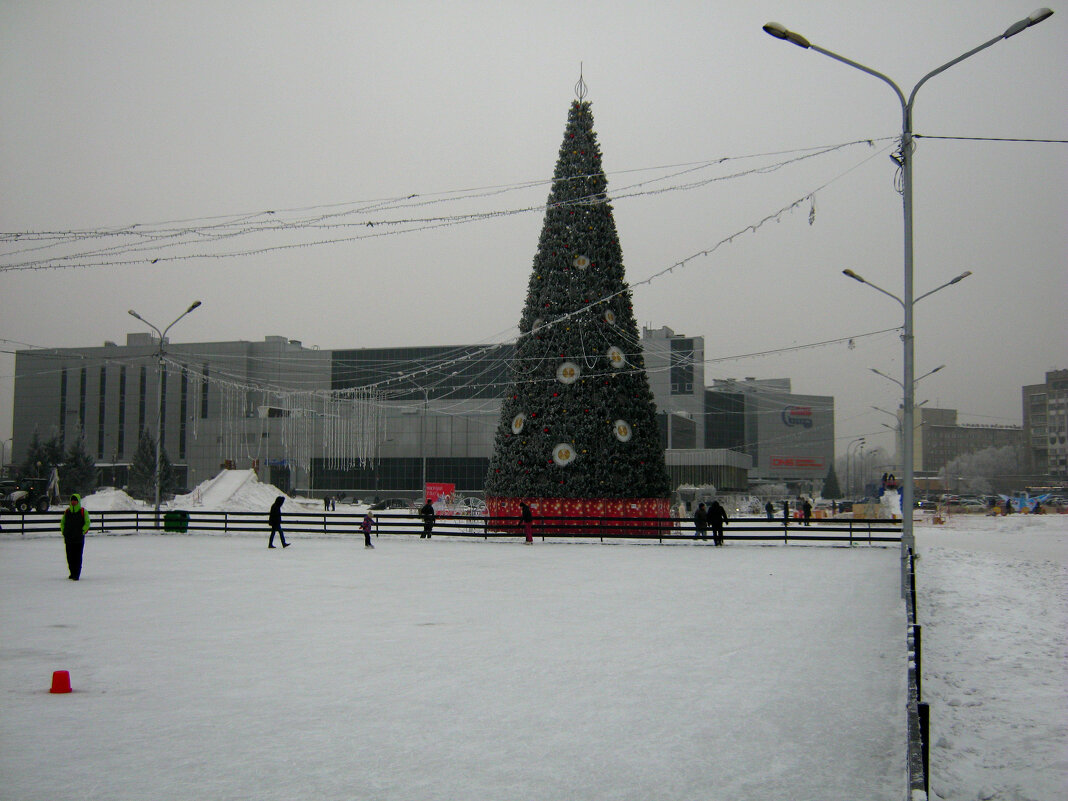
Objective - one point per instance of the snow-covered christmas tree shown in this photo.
(578, 434)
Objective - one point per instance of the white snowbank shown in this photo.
(229, 491)
(110, 499)
(234, 491)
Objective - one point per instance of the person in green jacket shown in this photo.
(74, 525)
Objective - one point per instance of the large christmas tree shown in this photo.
(578, 432)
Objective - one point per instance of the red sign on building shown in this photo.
(797, 462)
(437, 491)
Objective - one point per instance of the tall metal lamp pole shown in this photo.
(904, 159)
(159, 387)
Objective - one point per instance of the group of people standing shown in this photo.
(714, 517)
(806, 511)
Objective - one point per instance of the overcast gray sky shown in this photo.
(126, 113)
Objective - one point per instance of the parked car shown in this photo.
(391, 503)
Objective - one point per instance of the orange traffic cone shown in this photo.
(60, 682)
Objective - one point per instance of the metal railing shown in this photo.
(741, 530)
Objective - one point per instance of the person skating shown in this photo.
(806, 511)
(700, 523)
(74, 524)
(527, 517)
(717, 516)
(274, 517)
(428, 515)
(366, 526)
(769, 510)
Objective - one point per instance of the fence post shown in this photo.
(917, 645)
(925, 735)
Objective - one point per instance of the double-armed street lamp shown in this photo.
(159, 387)
(904, 159)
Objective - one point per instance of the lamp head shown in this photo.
(854, 276)
(195, 304)
(779, 31)
(1032, 19)
(961, 277)
(132, 313)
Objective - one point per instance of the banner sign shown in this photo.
(797, 462)
(437, 491)
(797, 416)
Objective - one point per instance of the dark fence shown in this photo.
(744, 529)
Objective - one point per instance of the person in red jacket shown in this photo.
(74, 524)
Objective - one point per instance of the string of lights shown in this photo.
(155, 243)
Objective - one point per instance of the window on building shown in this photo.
(101, 412)
(120, 444)
(681, 366)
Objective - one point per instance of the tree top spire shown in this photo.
(581, 89)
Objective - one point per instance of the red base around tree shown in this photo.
(582, 516)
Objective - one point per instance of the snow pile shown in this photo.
(108, 499)
(890, 505)
(234, 491)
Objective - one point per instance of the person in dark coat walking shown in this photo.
(806, 510)
(428, 514)
(274, 517)
(700, 523)
(527, 517)
(74, 524)
(769, 510)
(785, 513)
(717, 516)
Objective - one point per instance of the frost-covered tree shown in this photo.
(984, 471)
(579, 420)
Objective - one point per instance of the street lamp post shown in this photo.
(422, 425)
(849, 472)
(904, 158)
(159, 387)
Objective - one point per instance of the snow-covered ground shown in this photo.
(993, 602)
(208, 667)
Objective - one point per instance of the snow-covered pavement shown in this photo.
(993, 602)
(208, 667)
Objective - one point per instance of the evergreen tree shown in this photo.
(41, 457)
(168, 481)
(831, 490)
(579, 420)
(78, 472)
(142, 483)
